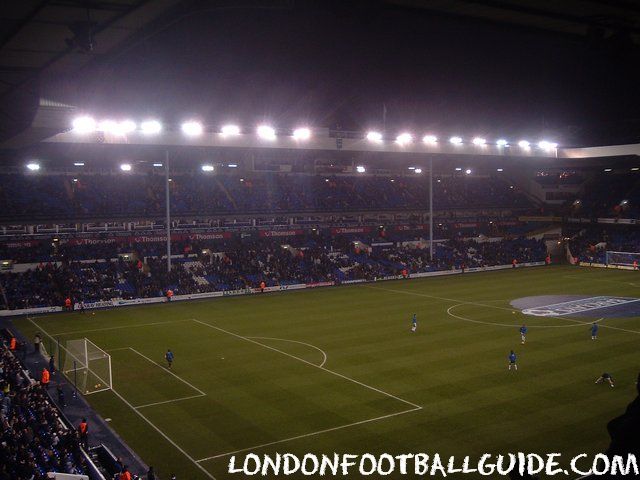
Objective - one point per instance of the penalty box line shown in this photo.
(414, 407)
(118, 327)
(306, 435)
(247, 339)
(189, 397)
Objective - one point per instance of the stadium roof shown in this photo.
(48, 46)
(44, 42)
(596, 19)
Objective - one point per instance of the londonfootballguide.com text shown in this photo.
(431, 465)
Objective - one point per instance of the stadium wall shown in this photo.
(249, 291)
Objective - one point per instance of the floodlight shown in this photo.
(360, 169)
(635, 169)
(127, 126)
(207, 168)
(479, 141)
(192, 128)
(502, 143)
(374, 137)
(404, 138)
(524, 144)
(157, 164)
(430, 139)
(109, 126)
(499, 170)
(233, 165)
(78, 164)
(33, 166)
(545, 145)
(456, 140)
(117, 128)
(418, 170)
(84, 124)
(302, 134)
(151, 127)
(266, 132)
(458, 169)
(607, 169)
(230, 130)
(125, 167)
(468, 171)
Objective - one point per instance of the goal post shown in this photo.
(622, 258)
(87, 366)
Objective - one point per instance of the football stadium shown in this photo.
(290, 239)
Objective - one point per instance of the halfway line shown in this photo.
(463, 302)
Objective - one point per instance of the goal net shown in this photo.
(86, 365)
(622, 258)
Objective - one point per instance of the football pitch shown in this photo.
(339, 370)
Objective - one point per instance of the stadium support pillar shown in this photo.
(4, 295)
(166, 190)
(431, 209)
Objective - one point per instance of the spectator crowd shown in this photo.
(33, 440)
(590, 244)
(234, 264)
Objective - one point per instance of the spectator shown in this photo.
(44, 378)
(61, 399)
(33, 441)
(125, 474)
(83, 432)
(36, 342)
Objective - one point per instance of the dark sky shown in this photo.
(338, 65)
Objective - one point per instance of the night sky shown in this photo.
(331, 65)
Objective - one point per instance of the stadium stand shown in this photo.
(618, 196)
(207, 266)
(590, 244)
(48, 197)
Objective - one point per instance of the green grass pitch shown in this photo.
(338, 370)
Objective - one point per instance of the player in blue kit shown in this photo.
(594, 331)
(513, 360)
(414, 323)
(169, 358)
(523, 333)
